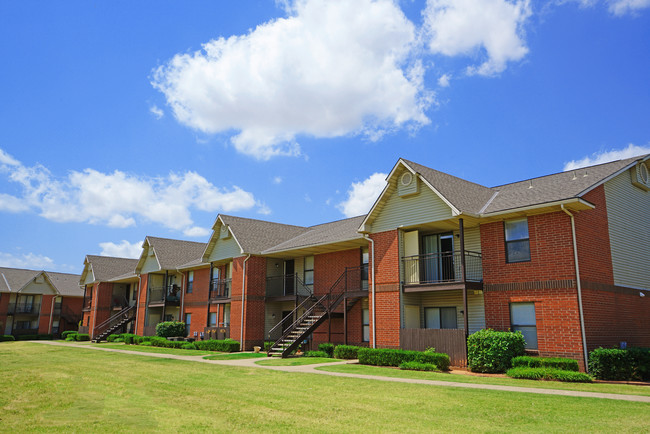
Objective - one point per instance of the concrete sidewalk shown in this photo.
(311, 369)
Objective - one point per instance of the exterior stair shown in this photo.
(112, 324)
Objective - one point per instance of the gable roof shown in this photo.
(255, 236)
(171, 253)
(15, 279)
(105, 268)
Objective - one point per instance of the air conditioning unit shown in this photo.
(641, 176)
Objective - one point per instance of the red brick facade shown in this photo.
(387, 287)
(196, 303)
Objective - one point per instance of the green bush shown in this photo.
(188, 346)
(347, 352)
(389, 357)
(226, 346)
(6, 338)
(611, 364)
(492, 351)
(527, 373)
(327, 348)
(145, 344)
(316, 354)
(119, 340)
(66, 333)
(418, 366)
(267, 346)
(71, 338)
(111, 338)
(641, 362)
(82, 337)
(546, 362)
(129, 338)
(170, 329)
(39, 337)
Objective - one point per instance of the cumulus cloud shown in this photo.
(328, 69)
(444, 79)
(495, 28)
(197, 231)
(623, 7)
(277, 180)
(124, 249)
(362, 195)
(156, 111)
(29, 261)
(607, 156)
(119, 199)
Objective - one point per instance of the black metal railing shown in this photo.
(161, 294)
(287, 285)
(119, 302)
(444, 267)
(126, 314)
(220, 288)
(57, 309)
(24, 308)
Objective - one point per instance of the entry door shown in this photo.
(438, 266)
(289, 277)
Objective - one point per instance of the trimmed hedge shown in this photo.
(111, 338)
(347, 352)
(267, 346)
(389, 357)
(417, 366)
(170, 329)
(641, 362)
(188, 346)
(82, 337)
(226, 345)
(7, 338)
(620, 365)
(316, 354)
(492, 351)
(41, 337)
(546, 362)
(327, 348)
(71, 338)
(524, 372)
(66, 333)
(129, 338)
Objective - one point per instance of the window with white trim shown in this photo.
(517, 240)
(190, 282)
(365, 324)
(522, 318)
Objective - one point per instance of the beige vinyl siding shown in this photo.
(274, 267)
(276, 308)
(475, 304)
(150, 265)
(423, 207)
(89, 276)
(628, 214)
(225, 249)
(472, 239)
(38, 287)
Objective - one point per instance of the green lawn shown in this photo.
(439, 376)
(236, 356)
(66, 389)
(296, 361)
(146, 349)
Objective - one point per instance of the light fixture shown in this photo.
(641, 294)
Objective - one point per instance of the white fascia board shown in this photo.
(539, 205)
(613, 175)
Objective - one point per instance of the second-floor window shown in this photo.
(517, 240)
(309, 270)
(190, 281)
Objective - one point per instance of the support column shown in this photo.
(463, 275)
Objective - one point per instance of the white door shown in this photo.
(411, 249)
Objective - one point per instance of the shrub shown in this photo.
(82, 337)
(327, 348)
(66, 333)
(226, 346)
(71, 337)
(492, 351)
(170, 329)
(129, 338)
(316, 354)
(546, 362)
(418, 366)
(111, 338)
(188, 346)
(347, 352)
(641, 362)
(611, 364)
(40, 337)
(118, 340)
(389, 357)
(6, 338)
(525, 372)
(146, 344)
(267, 346)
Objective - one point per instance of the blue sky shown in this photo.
(125, 119)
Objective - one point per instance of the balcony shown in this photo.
(442, 271)
(24, 309)
(287, 285)
(220, 289)
(159, 296)
(87, 304)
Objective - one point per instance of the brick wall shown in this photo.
(387, 289)
(196, 303)
(142, 304)
(74, 304)
(254, 301)
(101, 307)
(4, 306)
(44, 317)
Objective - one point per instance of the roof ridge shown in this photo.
(171, 239)
(336, 221)
(262, 221)
(447, 174)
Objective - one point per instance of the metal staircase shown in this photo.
(316, 310)
(124, 316)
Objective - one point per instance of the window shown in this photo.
(440, 318)
(226, 315)
(188, 322)
(365, 258)
(309, 270)
(213, 319)
(190, 281)
(365, 324)
(522, 318)
(517, 241)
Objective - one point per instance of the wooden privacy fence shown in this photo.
(448, 341)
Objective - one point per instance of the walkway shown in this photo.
(311, 369)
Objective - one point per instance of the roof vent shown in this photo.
(530, 183)
(574, 176)
(224, 233)
(407, 184)
(641, 176)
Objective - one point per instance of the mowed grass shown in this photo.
(66, 389)
(296, 361)
(236, 356)
(148, 349)
(623, 389)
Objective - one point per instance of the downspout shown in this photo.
(137, 309)
(578, 285)
(94, 302)
(243, 292)
(372, 289)
(183, 287)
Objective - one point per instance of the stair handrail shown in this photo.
(106, 324)
(295, 310)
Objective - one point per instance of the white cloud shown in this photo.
(362, 195)
(464, 27)
(622, 7)
(29, 260)
(6, 159)
(443, 81)
(156, 111)
(197, 231)
(124, 249)
(607, 156)
(328, 69)
(118, 199)
(277, 180)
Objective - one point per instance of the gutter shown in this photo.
(374, 324)
(137, 309)
(578, 286)
(243, 291)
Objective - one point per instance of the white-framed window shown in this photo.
(188, 323)
(213, 319)
(309, 270)
(190, 282)
(522, 318)
(440, 317)
(226, 315)
(517, 240)
(365, 324)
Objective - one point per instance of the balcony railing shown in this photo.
(24, 308)
(445, 267)
(287, 285)
(220, 288)
(57, 309)
(160, 294)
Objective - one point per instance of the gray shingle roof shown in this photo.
(173, 253)
(326, 233)
(255, 236)
(14, 279)
(107, 267)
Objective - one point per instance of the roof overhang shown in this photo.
(146, 246)
(573, 204)
(212, 242)
(317, 249)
